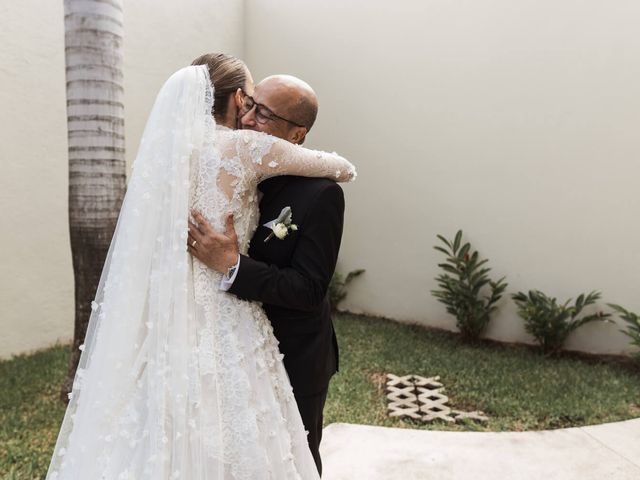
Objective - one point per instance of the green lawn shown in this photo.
(30, 412)
(518, 388)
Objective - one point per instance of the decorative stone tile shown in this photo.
(403, 401)
(421, 398)
(477, 416)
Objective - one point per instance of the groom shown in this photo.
(290, 276)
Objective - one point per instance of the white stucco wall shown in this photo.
(36, 277)
(515, 121)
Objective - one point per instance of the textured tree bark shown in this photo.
(97, 169)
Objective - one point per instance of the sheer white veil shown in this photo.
(137, 321)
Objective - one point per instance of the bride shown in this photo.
(178, 379)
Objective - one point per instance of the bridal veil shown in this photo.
(137, 344)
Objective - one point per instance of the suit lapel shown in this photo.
(270, 208)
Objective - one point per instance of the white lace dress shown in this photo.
(180, 380)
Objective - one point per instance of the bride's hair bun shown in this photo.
(227, 74)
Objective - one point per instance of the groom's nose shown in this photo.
(249, 118)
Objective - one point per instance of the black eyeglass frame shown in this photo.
(271, 113)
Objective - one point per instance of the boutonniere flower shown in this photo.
(281, 226)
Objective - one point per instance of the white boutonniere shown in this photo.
(281, 226)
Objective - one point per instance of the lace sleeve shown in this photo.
(268, 156)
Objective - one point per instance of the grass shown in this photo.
(30, 412)
(518, 388)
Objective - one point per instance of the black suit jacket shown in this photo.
(291, 276)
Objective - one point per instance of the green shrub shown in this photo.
(633, 325)
(551, 323)
(463, 286)
(338, 286)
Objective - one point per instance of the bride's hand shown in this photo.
(218, 251)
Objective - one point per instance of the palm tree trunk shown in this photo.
(97, 169)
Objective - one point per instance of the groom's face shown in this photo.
(275, 102)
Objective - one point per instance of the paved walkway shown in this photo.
(602, 452)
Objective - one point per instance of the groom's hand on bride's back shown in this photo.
(218, 251)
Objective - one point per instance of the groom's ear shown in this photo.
(298, 135)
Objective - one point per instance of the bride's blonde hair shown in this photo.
(227, 74)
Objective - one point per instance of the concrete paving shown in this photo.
(601, 452)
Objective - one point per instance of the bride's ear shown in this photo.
(238, 98)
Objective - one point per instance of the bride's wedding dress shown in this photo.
(178, 379)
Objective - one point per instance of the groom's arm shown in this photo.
(304, 284)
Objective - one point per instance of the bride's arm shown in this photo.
(269, 156)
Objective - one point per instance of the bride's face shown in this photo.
(238, 99)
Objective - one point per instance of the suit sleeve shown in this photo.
(303, 285)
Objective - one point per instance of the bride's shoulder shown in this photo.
(244, 134)
(246, 138)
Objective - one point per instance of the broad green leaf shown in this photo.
(463, 251)
(440, 249)
(456, 241)
(444, 240)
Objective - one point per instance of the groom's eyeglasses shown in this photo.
(263, 113)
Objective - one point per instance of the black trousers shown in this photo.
(311, 407)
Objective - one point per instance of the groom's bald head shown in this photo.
(288, 97)
(300, 101)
